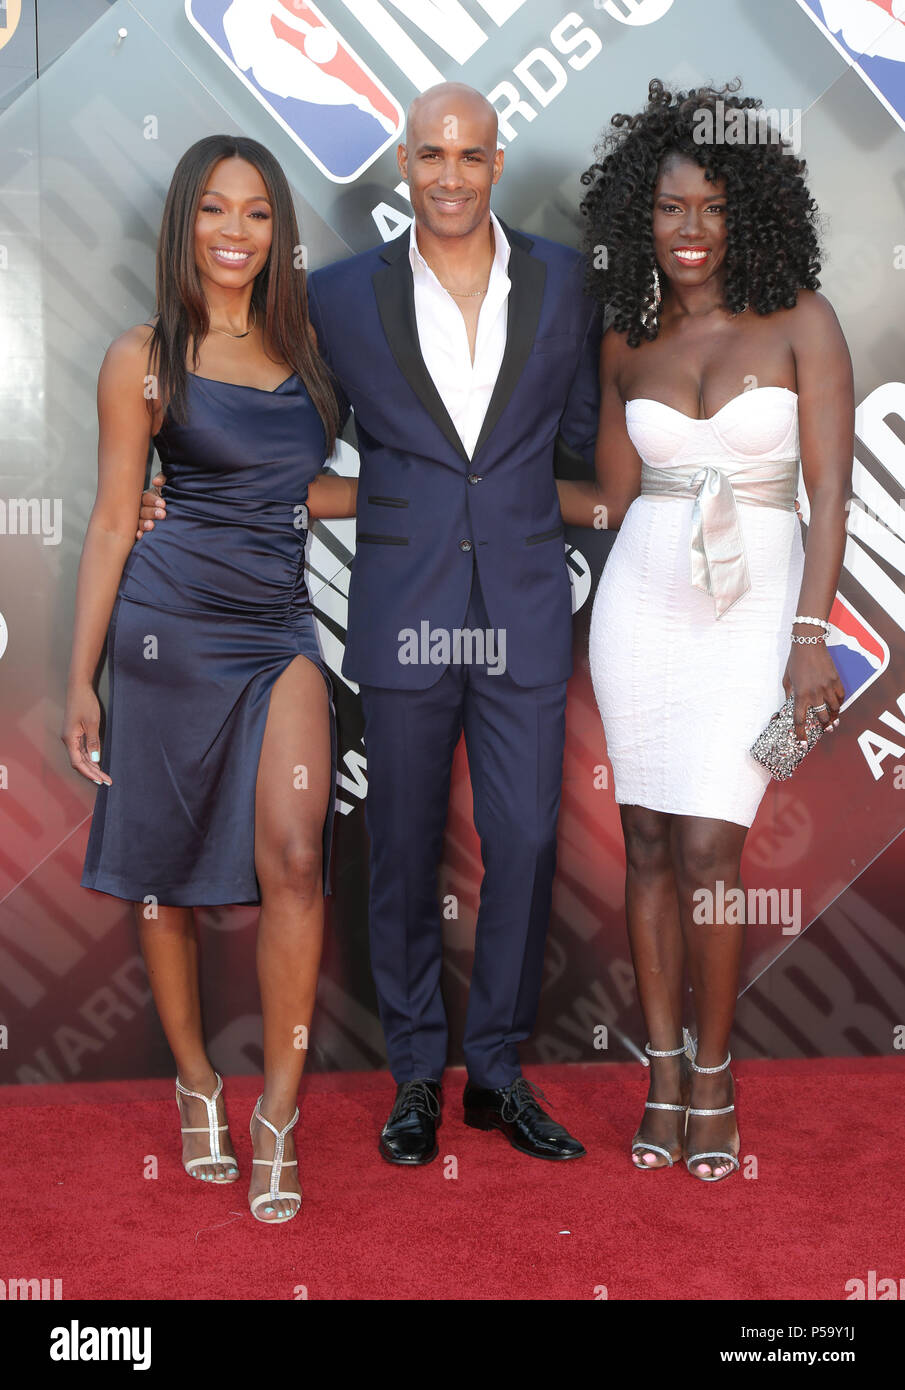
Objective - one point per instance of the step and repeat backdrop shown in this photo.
(90, 132)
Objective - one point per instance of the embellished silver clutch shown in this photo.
(777, 747)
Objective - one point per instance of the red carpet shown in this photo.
(827, 1136)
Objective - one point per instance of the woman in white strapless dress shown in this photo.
(722, 368)
(683, 694)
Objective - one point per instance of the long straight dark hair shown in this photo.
(279, 294)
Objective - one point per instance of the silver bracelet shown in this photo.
(809, 641)
(816, 622)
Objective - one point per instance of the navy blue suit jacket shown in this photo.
(426, 512)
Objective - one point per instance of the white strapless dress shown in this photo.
(683, 694)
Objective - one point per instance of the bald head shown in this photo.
(444, 106)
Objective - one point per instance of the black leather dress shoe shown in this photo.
(410, 1134)
(514, 1110)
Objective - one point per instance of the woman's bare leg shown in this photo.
(292, 796)
(169, 944)
(707, 853)
(655, 939)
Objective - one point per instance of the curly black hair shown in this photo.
(771, 220)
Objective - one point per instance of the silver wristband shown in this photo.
(815, 622)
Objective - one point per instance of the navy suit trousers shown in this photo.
(514, 738)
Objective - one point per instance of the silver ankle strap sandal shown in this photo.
(640, 1146)
(276, 1166)
(688, 1045)
(211, 1129)
(712, 1153)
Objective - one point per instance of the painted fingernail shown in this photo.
(98, 782)
(95, 756)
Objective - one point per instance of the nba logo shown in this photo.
(859, 655)
(870, 35)
(306, 76)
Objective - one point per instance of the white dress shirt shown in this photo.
(465, 388)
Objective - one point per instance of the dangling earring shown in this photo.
(747, 280)
(649, 313)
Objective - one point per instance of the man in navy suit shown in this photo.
(466, 350)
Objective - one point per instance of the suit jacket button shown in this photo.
(464, 545)
(474, 478)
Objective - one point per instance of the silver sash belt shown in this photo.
(718, 562)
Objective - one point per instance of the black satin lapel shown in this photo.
(527, 276)
(395, 292)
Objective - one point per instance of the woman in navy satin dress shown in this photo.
(218, 768)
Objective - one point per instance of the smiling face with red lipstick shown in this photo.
(745, 238)
(689, 224)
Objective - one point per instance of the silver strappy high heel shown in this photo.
(276, 1165)
(212, 1129)
(641, 1146)
(712, 1153)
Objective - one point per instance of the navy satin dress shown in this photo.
(211, 609)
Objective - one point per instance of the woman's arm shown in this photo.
(604, 502)
(328, 496)
(124, 425)
(826, 429)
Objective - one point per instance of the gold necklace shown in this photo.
(239, 335)
(465, 294)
